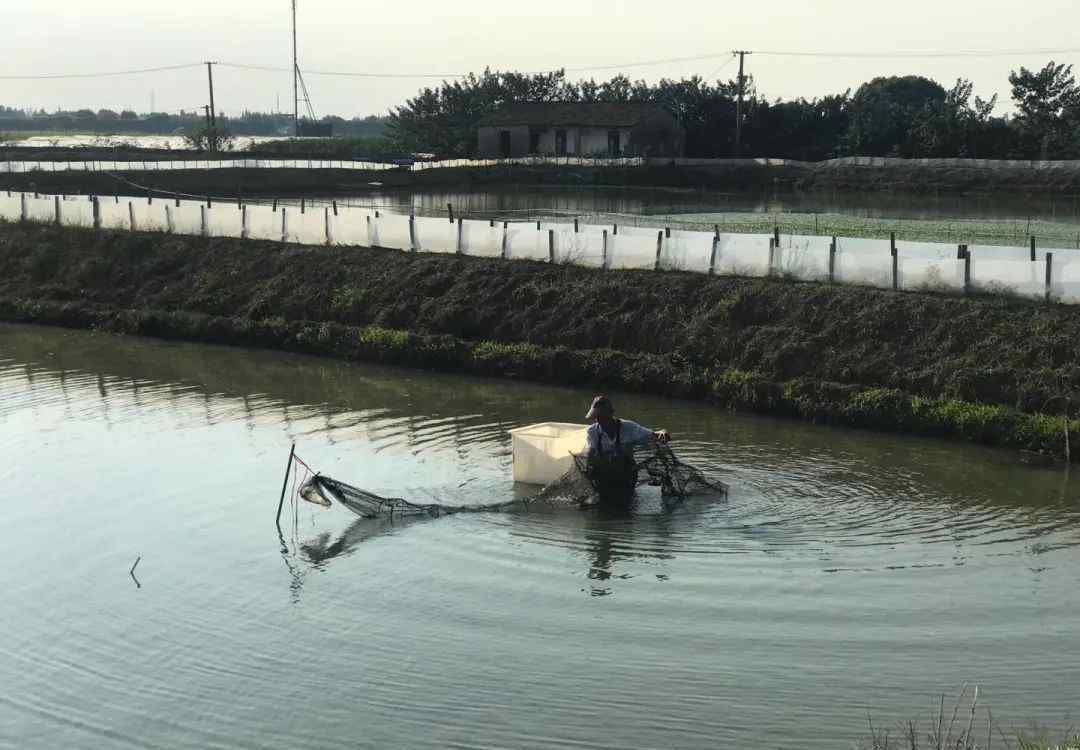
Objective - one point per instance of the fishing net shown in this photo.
(589, 482)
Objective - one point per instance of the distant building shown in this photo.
(580, 129)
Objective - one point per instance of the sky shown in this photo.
(60, 37)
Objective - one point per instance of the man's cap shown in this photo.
(600, 405)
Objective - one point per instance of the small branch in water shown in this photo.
(132, 571)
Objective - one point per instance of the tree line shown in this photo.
(899, 116)
(107, 121)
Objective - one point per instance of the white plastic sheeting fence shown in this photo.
(1052, 273)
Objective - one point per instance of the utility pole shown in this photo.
(211, 113)
(210, 76)
(738, 107)
(295, 76)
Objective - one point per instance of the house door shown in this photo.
(614, 146)
(504, 143)
(560, 143)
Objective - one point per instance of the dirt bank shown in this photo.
(983, 368)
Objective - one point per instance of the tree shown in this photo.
(127, 114)
(882, 112)
(443, 119)
(209, 139)
(954, 126)
(1049, 108)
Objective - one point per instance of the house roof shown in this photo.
(553, 114)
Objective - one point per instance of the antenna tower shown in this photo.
(298, 82)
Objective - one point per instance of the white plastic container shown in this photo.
(542, 452)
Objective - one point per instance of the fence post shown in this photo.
(659, 249)
(209, 202)
(56, 210)
(1049, 275)
(131, 216)
(412, 233)
(95, 208)
(776, 235)
(22, 207)
(505, 238)
(667, 232)
(284, 224)
(335, 207)
(1033, 249)
(832, 260)
(715, 253)
(967, 268)
(303, 206)
(450, 211)
(149, 198)
(243, 223)
(895, 261)
(551, 246)
(460, 232)
(204, 222)
(170, 225)
(772, 256)
(177, 198)
(275, 204)
(329, 228)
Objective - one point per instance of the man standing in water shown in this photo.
(611, 442)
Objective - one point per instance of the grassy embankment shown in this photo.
(993, 370)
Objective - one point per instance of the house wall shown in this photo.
(490, 141)
(658, 136)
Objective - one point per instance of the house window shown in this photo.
(614, 146)
(504, 143)
(560, 143)
(534, 141)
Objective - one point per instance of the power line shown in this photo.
(100, 75)
(910, 55)
(273, 69)
(720, 68)
(915, 55)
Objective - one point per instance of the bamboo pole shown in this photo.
(285, 484)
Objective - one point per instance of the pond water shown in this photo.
(848, 573)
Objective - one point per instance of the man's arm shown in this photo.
(635, 434)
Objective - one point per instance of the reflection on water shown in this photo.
(522, 202)
(848, 572)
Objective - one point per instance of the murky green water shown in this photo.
(848, 572)
(512, 200)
